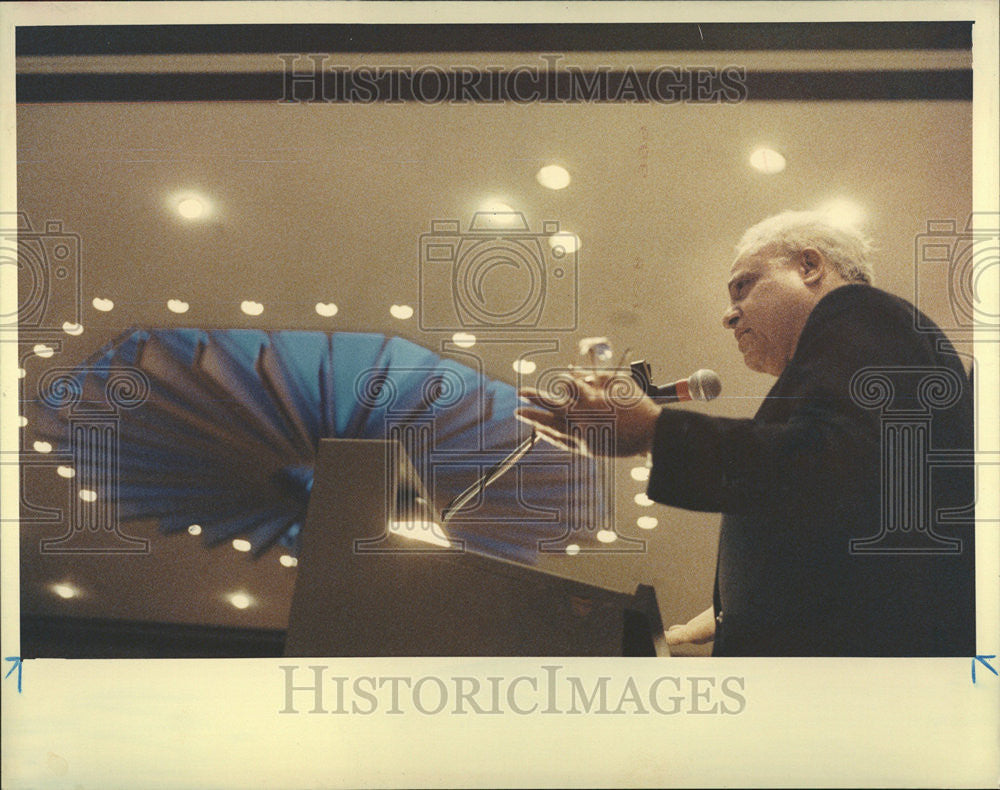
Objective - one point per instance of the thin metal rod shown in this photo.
(491, 476)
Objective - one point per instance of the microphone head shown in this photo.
(705, 385)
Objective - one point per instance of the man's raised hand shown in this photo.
(562, 409)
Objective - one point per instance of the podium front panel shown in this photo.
(362, 590)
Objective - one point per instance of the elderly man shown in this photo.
(800, 484)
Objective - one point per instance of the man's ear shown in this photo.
(812, 266)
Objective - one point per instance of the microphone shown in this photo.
(700, 385)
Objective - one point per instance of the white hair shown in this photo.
(844, 245)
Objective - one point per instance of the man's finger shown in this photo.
(537, 417)
(545, 426)
(553, 437)
(539, 398)
(597, 379)
(542, 423)
(677, 635)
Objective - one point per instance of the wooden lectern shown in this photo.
(366, 590)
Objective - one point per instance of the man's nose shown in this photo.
(730, 317)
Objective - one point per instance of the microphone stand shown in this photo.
(640, 372)
(504, 466)
(491, 476)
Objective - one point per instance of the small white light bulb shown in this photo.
(553, 177)
(65, 591)
(240, 600)
(767, 160)
(190, 208)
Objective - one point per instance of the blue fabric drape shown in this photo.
(227, 433)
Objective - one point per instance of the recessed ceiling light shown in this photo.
(495, 206)
(42, 447)
(21, 373)
(643, 501)
(88, 495)
(553, 177)
(463, 339)
(640, 473)
(194, 529)
(177, 306)
(66, 591)
(607, 535)
(767, 160)
(401, 311)
(841, 211)
(646, 522)
(326, 309)
(572, 549)
(288, 560)
(66, 471)
(524, 366)
(22, 420)
(563, 243)
(190, 208)
(240, 600)
(242, 545)
(252, 308)
(44, 351)
(104, 305)
(496, 215)
(72, 329)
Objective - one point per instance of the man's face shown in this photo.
(769, 306)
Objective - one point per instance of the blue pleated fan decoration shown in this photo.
(220, 428)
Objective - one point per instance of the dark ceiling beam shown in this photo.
(572, 37)
(357, 86)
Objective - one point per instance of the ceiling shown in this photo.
(323, 202)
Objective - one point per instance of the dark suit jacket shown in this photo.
(819, 467)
